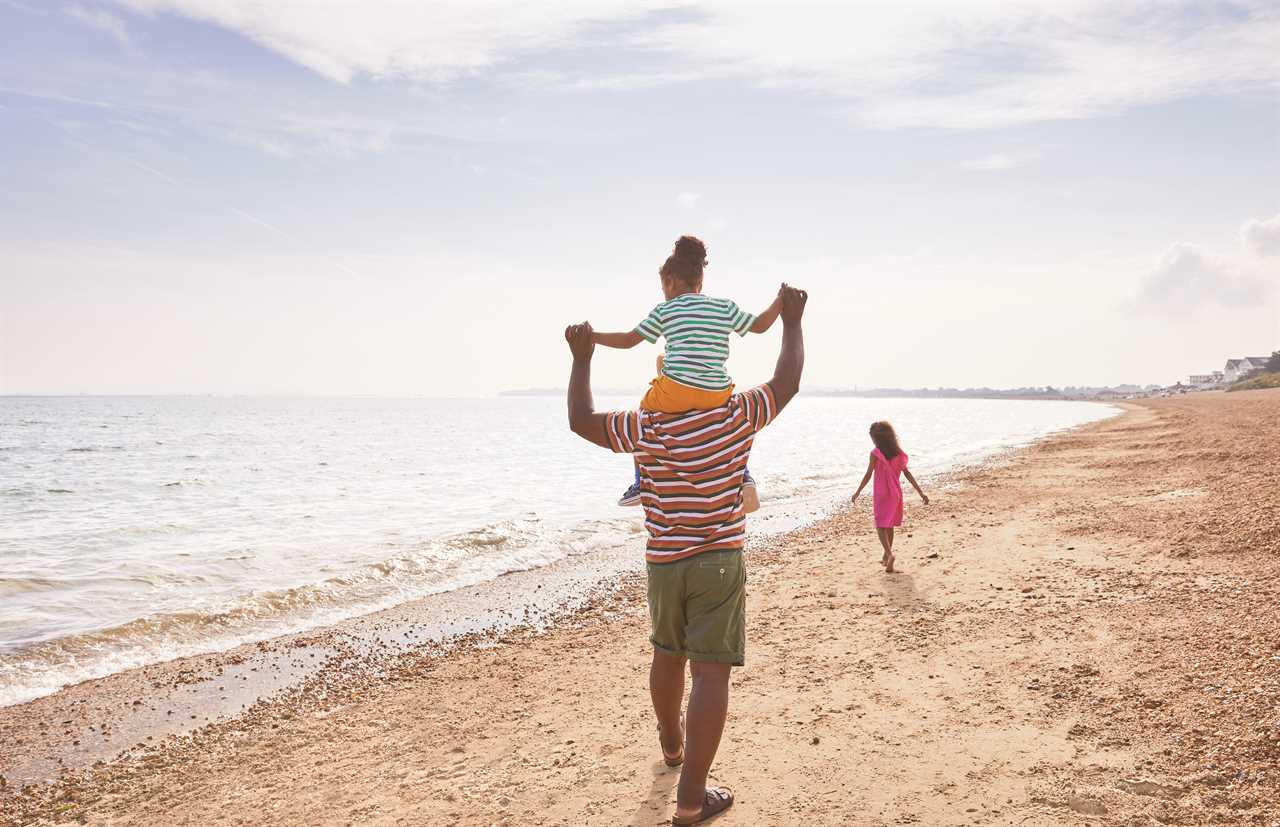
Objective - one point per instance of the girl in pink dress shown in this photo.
(887, 462)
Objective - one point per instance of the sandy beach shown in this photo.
(1084, 632)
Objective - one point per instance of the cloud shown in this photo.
(23, 7)
(388, 39)
(688, 200)
(266, 144)
(1263, 237)
(103, 21)
(998, 162)
(916, 63)
(1187, 278)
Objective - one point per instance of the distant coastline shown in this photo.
(1045, 392)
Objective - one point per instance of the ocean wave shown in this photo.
(10, 586)
(421, 569)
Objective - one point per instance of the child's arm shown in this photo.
(871, 466)
(766, 319)
(915, 485)
(623, 341)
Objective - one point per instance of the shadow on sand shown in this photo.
(900, 590)
(658, 801)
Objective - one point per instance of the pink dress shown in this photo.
(886, 488)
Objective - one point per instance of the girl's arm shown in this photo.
(915, 485)
(766, 319)
(871, 466)
(622, 341)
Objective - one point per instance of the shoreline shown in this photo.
(207, 598)
(99, 719)
(102, 719)
(1030, 662)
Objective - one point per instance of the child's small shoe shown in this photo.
(750, 498)
(632, 495)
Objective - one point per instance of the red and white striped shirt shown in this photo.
(691, 470)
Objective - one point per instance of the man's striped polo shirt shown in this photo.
(691, 471)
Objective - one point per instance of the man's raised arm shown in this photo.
(786, 375)
(583, 420)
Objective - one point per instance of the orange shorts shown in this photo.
(666, 395)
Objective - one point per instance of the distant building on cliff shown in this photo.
(1239, 368)
(1206, 380)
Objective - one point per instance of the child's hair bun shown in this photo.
(691, 249)
(686, 261)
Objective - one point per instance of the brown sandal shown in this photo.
(718, 800)
(672, 760)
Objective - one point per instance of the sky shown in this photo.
(402, 198)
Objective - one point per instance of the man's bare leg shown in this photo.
(666, 688)
(708, 708)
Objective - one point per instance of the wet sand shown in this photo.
(96, 720)
(1086, 632)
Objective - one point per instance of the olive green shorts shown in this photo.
(698, 607)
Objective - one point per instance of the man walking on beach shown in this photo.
(691, 467)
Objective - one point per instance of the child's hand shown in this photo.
(854, 499)
(925, 498)
(793, 301)
(581, 339)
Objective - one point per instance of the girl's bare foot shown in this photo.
(888, 564)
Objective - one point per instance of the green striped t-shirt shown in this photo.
(696, 329)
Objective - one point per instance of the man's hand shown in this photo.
(583, 419)
(786, 375)
(582, 343)
(793, 299)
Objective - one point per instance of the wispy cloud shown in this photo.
(918, 63)
(103, 21)
(436, 41)
(1262, 237)
(999, 161)
(1188, 278)
(267, 144)
(247, 216)
(157, 173)
(23, 7)
(139, 127)
(57, 98)
(688, 200)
